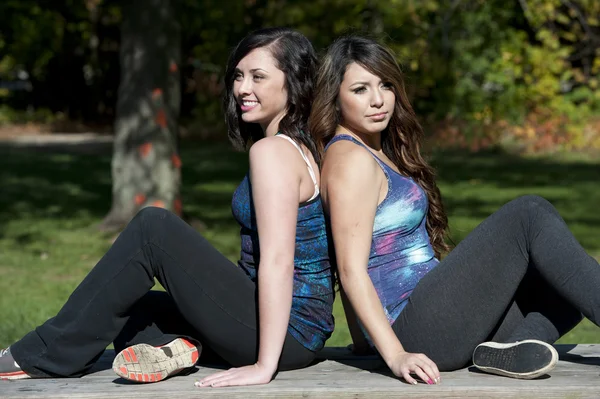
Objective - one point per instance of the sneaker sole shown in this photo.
(145, 363)
(17, 375)
(524, 359)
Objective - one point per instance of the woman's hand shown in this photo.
(248, 375)
(404, 364)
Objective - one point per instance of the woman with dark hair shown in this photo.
(271, 312)
(520, 280)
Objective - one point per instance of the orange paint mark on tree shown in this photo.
(158, 204)
(173, 67)
(145, 149)
(156, 93)
(176, 161)
(178, 206)
(161, 118)
(139, 199)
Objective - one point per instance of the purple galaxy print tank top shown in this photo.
(401, 252)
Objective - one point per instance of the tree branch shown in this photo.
(580, 17)
(524, 5)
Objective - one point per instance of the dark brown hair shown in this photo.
(297, 59)
(401, 140)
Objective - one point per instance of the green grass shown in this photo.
(50, 203)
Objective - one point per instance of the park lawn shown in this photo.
(51, 203)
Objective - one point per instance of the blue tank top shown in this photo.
(311, 318)
(401, 252)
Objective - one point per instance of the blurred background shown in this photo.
(107, 106)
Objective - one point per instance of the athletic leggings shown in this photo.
(520, 274)
(208, 298)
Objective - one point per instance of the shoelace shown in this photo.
(4, 352)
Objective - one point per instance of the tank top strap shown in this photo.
(347, 137)
(311, 171)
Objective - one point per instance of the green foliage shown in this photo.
(489, 66)
(9, 115)
(484, 65)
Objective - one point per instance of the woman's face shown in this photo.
(366, 102)
(259, 89)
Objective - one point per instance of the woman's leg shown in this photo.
(214, 295)
(155, 320)
(536, 312)
(462, 302)
(547, 315)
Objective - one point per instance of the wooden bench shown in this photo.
(337, 374)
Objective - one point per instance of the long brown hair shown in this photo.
(401, 140)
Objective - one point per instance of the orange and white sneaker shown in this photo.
(9, 369)
(147, 363)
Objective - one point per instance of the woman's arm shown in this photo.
(275, 175)
(352, 183)
(360, 344)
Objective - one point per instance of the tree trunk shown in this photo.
(372, 18)
(146, 168)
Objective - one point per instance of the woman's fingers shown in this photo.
(436, 373)
(223, 381)
(407, 377)
(421, 367)
(211, 379)
(431, 376)
(428, 368)
(431, 369)
(422, 375)
(216, 381)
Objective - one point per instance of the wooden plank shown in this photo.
(338, 374)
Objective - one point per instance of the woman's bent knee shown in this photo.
(530, 200)
(529, 203)
(152, 212)
(153, 217)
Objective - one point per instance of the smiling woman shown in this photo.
(269, 88)
(259, 88)
(209, 301)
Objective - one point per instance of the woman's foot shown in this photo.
(146, 363)
(522, 359)
(9, 369)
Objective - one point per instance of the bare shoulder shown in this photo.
(345, 160)
(273, 152)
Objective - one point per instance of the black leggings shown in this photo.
(209, 299)
(519, 275)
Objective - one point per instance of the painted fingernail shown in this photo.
(414, 382)
(198, 384)
(430, 382)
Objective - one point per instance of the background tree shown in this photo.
(146, 168)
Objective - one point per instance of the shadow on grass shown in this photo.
(37, 184)
(475, 185)
(67, 185)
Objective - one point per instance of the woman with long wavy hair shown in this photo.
(517, 283)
